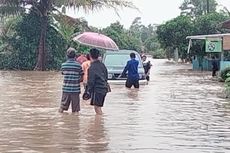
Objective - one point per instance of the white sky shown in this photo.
(151, 12)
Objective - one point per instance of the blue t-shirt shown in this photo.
(132, 68)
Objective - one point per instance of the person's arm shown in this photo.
(62, 70)
(106, 73)
(81, 73)
(91, 79)
(149, 67)
(125, 70)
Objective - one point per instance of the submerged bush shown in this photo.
(224, 73)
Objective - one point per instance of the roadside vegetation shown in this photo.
(36, 38)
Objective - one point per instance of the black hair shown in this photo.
(88, 56)
(71, 53)
(94, 53)
(213, 57)
(132, 55)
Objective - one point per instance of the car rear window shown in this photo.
(118, 60)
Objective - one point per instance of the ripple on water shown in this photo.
(179, 111)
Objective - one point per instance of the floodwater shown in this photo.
(180, 111)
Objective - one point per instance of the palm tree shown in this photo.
(45, 8)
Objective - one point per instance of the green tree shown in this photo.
(23, 43)
(208, 24)
(145, 34)
(205, 25)
(6, 33)
(45, 8)
(195, 8)
(172, 34)
(122, 37)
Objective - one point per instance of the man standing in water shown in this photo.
(72, 72)
(214, 66)
(132, 68)
(147, 66)
(97, 81)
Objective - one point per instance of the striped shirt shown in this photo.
(72, 72)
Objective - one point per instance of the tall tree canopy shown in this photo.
(195, 8)
(46, 8)
(122, 37)
(172, 34)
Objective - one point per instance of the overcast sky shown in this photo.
(151, 12)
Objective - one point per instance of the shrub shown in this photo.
(224, 73)
(25, 42)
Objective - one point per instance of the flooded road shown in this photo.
(179, 111)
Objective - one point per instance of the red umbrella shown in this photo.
(96, 40)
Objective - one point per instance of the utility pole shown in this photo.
(208, 7)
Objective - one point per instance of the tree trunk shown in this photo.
(42, 51)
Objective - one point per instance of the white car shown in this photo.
(115, 62)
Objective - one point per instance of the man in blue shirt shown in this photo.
(132, 68)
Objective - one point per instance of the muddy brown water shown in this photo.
(179, 111)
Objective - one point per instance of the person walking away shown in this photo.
(147, 66)
(85, 66)
(97, 81)
(214, 66)
(81, 59)
(132, 68)
(72, 72)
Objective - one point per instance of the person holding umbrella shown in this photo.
(97, 84)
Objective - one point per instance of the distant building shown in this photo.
(225, 24)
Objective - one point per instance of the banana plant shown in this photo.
(45, 8)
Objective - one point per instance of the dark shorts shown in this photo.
(72, 98)
(147, 78)
(97, 99)
(129, 83)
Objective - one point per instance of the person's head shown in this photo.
(132, 55)
(144, 57)
(94, 53)
(71, 53)
(213, 57)
(87, 56)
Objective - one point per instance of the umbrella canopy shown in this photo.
(96, 40)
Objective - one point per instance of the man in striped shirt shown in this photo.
(72, 72)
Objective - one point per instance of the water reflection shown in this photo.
(96, 135)
(133, 94)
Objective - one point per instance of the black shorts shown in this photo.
(97, 99)
(129, 83)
